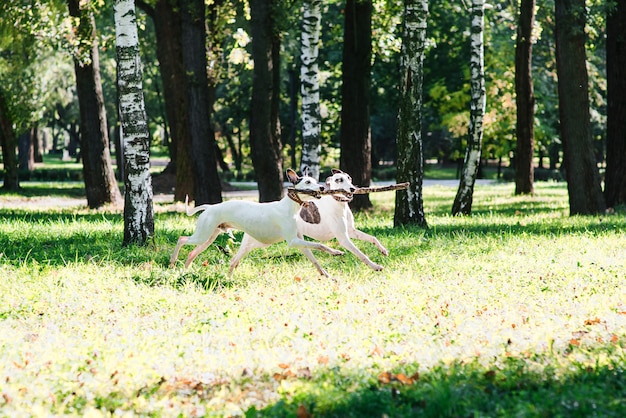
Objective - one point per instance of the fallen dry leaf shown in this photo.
(303, 412)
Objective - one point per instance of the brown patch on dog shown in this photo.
(310, 214)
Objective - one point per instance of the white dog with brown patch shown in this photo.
(335, 219)
(263, 223)
(327, 218)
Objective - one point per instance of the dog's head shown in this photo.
(305, 183)
(340, 181)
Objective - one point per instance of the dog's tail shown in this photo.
(194, 210)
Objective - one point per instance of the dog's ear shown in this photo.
(292, 176)
(336, 171)
(305, 170)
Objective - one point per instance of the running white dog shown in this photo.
(335, 219)
(265, 223)
(327, 218)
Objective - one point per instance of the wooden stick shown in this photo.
(366, 190)
(360, 190)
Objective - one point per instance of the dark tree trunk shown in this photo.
(583, 180)
(265, 144)
(207, 186)
(356, 141)
(525, 100)
(167, 22)
(25, 152)
(410, 203)
(615, 178)
(9, 144)
(100, 183)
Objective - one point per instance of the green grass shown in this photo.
(518, 310)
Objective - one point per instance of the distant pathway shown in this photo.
(167, 199)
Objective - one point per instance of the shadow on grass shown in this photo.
(460, 390)
(48, 189)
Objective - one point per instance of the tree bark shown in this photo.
(138, 206)
(356, 140)
(525, 100)
(26, 152)
(409, 203)
(463, 201)
(265, 144)
(167, 22)
(9, 144)
(583, 180)
(207, 186)
(100, 183)
(310, 87)
(615, 178)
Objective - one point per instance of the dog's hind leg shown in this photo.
(362, 236)
(345, 242)
(201, 247)
(181, 241)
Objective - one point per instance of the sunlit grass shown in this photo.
(516, 310)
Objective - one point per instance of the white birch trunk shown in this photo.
(138, 210)
(463, 201)
(409, 202)
(310, 87)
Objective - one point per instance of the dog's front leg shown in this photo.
(247, 244)
(302, 243)
(313, 260)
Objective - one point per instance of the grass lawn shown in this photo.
(518, 310)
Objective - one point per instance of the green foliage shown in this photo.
(517, 310)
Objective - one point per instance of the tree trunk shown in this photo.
(356, 140)
(9, 144)
(207, 186)
(100, 183)
(25, 152)
(525, 100)
(463, 201)
(265, 144)
(410, 203)
(615, 178)
(310, 87)
(138, 208)
(583, 180)
(167, 22)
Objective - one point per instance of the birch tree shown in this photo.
(310, 86)
(138, 210)
(463, 200)
(409, 203)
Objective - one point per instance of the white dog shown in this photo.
(265, 223)
(336, 219)
(327, 218)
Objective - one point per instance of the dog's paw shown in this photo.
(384, 251)
(337, 252)
(377, 267)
